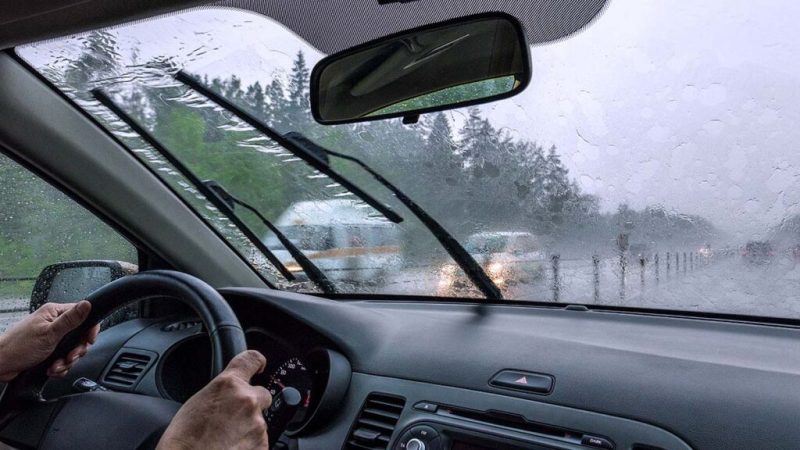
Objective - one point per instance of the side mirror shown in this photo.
(72, 281)
(461, 62)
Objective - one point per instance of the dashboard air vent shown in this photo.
(375, 423)
(128, 368)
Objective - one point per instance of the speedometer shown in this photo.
(292, 373)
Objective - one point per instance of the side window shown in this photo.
(40, 229)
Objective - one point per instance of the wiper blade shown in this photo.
(474, 272)
(311, 153)
(312, 271)
(212, 197)
(299, 151)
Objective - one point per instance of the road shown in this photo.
(729, 285)
(12, 309)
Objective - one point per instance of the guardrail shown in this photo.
(652, 268)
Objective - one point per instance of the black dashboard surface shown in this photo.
(714, 384)
(680, 382)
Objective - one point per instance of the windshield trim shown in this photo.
(12, 52)
(744, 319)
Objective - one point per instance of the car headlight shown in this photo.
(293, 267)
(496, 272)
(447, 275)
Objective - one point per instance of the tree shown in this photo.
(298, 106)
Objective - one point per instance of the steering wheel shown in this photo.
(107, 419)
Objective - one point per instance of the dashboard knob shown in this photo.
(415, 444)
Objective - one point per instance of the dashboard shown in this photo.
(405, 375)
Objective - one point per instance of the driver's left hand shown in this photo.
(31, 340)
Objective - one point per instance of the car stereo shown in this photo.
(429, 435)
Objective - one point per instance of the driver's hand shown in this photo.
(31, 340)
(226, 414)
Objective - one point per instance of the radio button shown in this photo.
(597, 442)
(424, 433)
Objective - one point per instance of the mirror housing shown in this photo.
(457, 63)
(72, 281)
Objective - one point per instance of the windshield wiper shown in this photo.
(209, 194)
(311, 270)
(312, 153)
(309, 157)
(456, 251)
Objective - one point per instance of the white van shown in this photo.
(343, 238)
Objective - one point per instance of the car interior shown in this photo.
(357, 368)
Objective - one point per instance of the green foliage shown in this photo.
(41, 226)
(452, 95)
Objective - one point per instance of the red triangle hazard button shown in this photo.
(522, 380)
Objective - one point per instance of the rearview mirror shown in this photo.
(457, 63)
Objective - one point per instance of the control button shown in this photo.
(86, 385)
(415, 444)
(597, 442)
(536, 383)
(427, 407)
(424, 432)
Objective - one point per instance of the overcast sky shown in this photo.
(690, 104)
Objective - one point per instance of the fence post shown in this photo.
(622, 265)
(596, 264)
(691, 261)
(655, 266)
(641, 270)
(668, 264)
(684, 262)
(677, 263)
(556, 282)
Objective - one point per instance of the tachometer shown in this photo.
(292, 373)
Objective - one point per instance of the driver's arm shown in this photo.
(31, 340)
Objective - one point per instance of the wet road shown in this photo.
(719, 284)
(729, 285)
(12, 310)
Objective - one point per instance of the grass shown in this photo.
(16, 289)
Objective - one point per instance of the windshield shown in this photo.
(650, 162)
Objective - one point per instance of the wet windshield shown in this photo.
(650, 162)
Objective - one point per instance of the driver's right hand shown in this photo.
(226, 414)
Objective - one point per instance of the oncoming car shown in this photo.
(509, 257)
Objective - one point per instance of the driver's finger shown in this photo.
(91, 336)
(246, 364)
(58, 369)
(77, 352)
(263, 396)
(71, 318)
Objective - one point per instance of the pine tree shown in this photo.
(297, 111)
(276, 103)
(256, 100)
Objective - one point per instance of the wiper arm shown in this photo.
(467, 263)
(311, 152)
(313, 272)
(309, 157)
(212, 197)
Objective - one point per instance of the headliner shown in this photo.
(329, 25)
